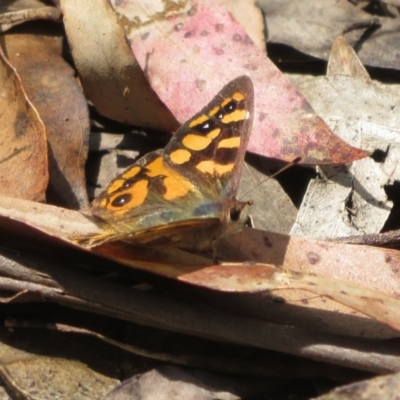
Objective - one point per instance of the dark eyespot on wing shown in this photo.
(128, 183)
(220, 114)
(207, 126)
(230, 107)
(121, 200)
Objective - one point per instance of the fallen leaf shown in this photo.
(54, 221)
(344, 61)
(380, 48)
(15, 12)
(23, 150)
(36, 53)
(284, 127)
(350, 200)
(123, 93)
(80, 288)
(380, 387)
(249, 15)
(175, 383)
(243, 277)
(23, 370)
(299, 25)
(249, 278)
(367, 266)
(109, 73)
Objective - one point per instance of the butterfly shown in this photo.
(185, 194)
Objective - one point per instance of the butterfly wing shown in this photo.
(189, 180)
(209, 149)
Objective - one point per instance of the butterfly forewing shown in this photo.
(209, 148)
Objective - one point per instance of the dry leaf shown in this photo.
(35, 51)
(380, 49)
(312, 26)
(115, 83)
(284, 125)
(351, 200)
(383, 387)
(109, 73)
(272, 209)
(14, 12)
(239, 277)
(84, 290)
(344, 61)
(23, 150)
(174, 383)
(248, 14)
(249, 278)
(24, 370)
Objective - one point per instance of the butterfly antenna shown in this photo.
(294, 162)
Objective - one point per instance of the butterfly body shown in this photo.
(183, 195)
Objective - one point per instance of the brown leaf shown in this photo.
(110, 75)
(23, 150)
(35, 51)
(54, 221)
(14, 12)
(80, 288)
(250, 278)
(40, 377)
(249, 15)
(344, 61)
(247, 277)
(367, 266)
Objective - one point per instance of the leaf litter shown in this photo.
(359, 202)
(314, 293)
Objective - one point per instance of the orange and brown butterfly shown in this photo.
(184, 195)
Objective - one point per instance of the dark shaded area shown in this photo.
(393, 194)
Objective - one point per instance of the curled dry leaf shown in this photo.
(366, 266)
(23, 149)
(250, 278)
(54, 221)
(83, 290)
(240, 277)
(35, 51)
(289, 254)
(18, 11)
